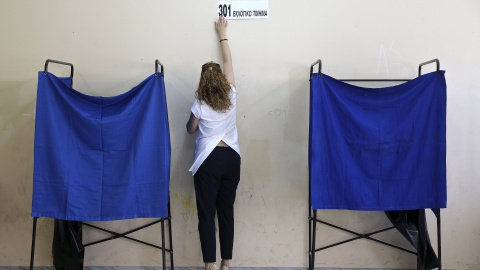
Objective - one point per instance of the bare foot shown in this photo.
(225, 263)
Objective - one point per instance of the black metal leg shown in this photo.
(170, 235)
(313, 238)
(34, 235)
(309, 235)
(163, 244)
(309, 239)
(439, 238)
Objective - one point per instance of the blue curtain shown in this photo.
(378, 148)
(101, 158)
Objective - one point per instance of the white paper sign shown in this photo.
(237, 10)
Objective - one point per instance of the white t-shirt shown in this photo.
(213, 128)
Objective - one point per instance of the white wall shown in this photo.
(113, 45)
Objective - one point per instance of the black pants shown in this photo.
(216, 184)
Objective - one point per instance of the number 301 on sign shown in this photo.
(243, 9)
(224, 10)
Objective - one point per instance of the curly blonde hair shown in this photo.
(213, 88)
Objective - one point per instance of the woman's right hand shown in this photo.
(221, 27)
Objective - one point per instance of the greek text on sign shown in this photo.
(235, 10)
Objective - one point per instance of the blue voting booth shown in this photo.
(102, 158)
(376, 148)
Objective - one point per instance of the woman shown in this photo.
(216, 168)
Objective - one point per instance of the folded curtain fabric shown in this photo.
(378, 148)
(100, 158)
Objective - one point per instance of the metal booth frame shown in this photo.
(116, 235)
(312, 214)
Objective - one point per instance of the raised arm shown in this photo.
(221, 28)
